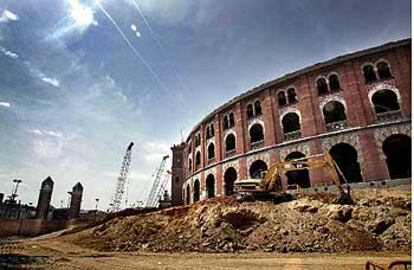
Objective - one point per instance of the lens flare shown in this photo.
(82, 15)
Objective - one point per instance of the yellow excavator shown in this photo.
(269, 186)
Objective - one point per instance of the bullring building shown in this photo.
(357, 107)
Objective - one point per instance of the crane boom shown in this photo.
(152, 198)
(121, 180)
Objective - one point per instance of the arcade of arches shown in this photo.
(396, 149)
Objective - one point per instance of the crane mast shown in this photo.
(121, 180)
(154, 193)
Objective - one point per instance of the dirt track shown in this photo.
(54, 254)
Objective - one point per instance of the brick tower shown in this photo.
(177, 175)
(45, 196)
(75, 202)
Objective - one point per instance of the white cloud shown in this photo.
(8, 53)
(49, 143)
(5, 104)
(154, 151)
(51, 81)
(7, 16)
(36, 72)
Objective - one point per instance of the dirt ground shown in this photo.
(308, 233)
(55, 254)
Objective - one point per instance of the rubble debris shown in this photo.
(378, 221)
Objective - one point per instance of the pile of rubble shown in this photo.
(380, 220)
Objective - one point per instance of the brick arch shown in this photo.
(383, 85)
(349, 138)
(368, 64)
(252, 158)
(228, 132)
(382, 60)
(256, 121)
(337, 96)
(300, 147)
(228, 164)
(381, 134)
(290, 110)
(321, 77)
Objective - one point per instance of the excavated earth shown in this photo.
(379, 220)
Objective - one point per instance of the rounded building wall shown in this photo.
(346, 106)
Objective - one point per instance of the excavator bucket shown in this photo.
(344, 198)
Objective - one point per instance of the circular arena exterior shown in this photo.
(357, 107)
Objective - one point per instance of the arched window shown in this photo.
(290, 122)
(198, 158)
(187, 197)
(190, 165)
(257, 108)
(189, 148)
(225, 122)
(231, 119)
(230, 142)
(257, 169)
(334, 82)
(369, 74)
(383, 70)
(197, 139)
(256, 133)
(397, 149)
(300, 177)
(210, 186)
(292, 97)
(249, 111)
(229, 177)
(281, 98)
(212, 130)
(334, 111)
(346, 157)
(196, 191)
(210, 151)
(322, 86)
(385, 101)
(208, 132)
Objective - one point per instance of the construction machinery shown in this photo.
(121, 180)
(160, 181)
(269, 186)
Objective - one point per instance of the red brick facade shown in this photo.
(311, 97)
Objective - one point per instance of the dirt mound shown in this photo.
(223, 225)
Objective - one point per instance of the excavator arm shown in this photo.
(267, 184)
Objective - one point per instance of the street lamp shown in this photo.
(14, 191)
(96, 206)
(13, 195)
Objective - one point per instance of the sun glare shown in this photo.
(82, 15)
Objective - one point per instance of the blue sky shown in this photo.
(80, 79)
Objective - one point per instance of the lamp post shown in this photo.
(14, 194)
(96, 206)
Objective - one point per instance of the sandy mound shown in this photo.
(380, 220)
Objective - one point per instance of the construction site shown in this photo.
(247, 201)
(310, 170)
